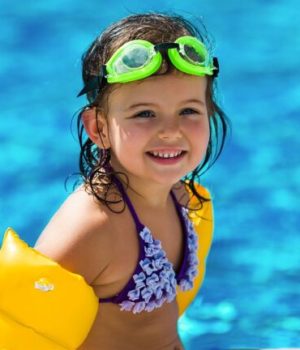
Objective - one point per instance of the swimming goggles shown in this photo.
(138, 59)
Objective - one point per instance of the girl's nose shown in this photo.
(170, 130)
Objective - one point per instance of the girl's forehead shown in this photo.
(168, 87)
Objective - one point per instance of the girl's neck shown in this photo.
(143, 192)
(146, 194)
(149, 195)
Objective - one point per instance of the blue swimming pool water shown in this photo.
(250, 297)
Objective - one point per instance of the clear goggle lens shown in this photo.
(133, 58)
(190, 54)
(136, 58)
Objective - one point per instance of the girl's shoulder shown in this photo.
(78, 236)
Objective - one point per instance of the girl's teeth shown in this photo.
(166, 155)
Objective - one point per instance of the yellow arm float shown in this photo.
(43, 306)
(204, 225)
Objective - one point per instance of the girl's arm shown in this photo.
(78, 237)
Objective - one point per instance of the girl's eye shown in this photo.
(189, 111)
(144, 114)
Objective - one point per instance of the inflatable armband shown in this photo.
(203, 224)
(42, 305)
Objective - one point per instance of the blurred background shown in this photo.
(251, 294)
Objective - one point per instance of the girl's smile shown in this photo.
(170, 156)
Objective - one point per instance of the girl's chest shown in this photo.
(167, 229)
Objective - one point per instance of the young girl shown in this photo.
(138, 228)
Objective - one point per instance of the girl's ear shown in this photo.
(96, 127)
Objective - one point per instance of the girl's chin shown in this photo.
(165, 172)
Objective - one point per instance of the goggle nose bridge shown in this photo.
(165, 47)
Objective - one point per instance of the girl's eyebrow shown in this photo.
(149, 104)
(195, 100)
(144, 104)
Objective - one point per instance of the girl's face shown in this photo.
(158, 128)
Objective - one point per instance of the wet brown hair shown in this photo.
(157, 28)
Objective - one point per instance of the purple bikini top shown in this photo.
(154, 279)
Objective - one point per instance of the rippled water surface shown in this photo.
(250, 297)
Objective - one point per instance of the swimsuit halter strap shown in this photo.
(178, 206)
(137, 221)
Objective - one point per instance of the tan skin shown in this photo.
(89, 239)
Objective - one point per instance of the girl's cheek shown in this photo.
(198, 127)
(137, 131)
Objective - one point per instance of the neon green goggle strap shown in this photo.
(139, 59)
